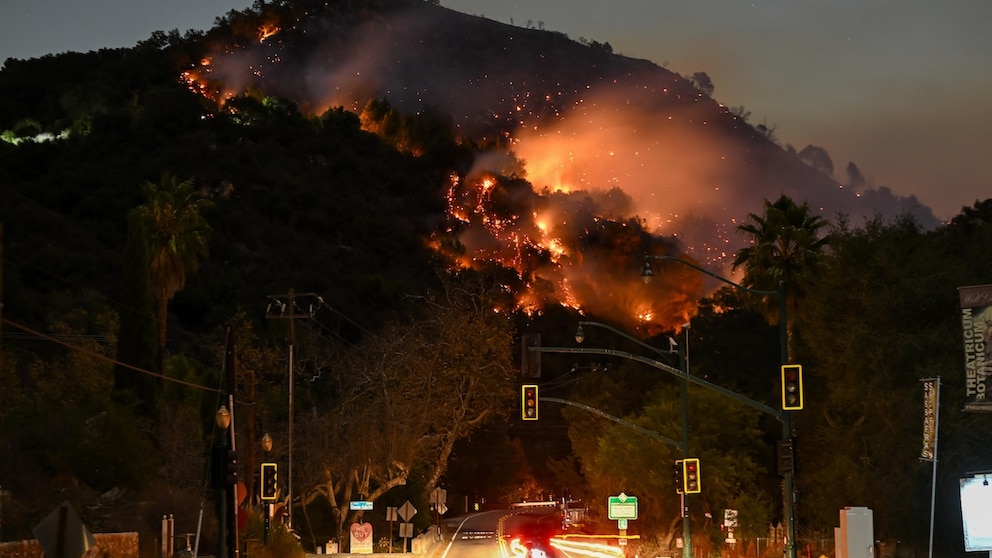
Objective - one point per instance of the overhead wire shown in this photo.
(105, 358)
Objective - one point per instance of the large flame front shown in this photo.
(562, 252)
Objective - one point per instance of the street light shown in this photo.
(784, 416)
(267, 510)
(223, 421)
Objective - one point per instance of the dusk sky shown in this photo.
(901, 88)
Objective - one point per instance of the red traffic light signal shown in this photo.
(690, 475)
(528, 402)
(792, 387)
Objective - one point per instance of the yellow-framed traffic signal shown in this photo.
(528, 402)
(792, 387)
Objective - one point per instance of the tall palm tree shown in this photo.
(785, 245)
(175, 235)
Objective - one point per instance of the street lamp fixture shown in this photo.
(267, 507)
(223, 418)
(580, 335)
(220, 457)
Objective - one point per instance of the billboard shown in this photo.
(976, 322)
(976, 509)
(931, 402)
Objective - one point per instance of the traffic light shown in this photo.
(792, 387)
(690, 472)
(270, 486)
(530, 361)
(786, 457)
(232, 468)
(528, 402)
(679, 478)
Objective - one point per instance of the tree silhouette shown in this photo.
(175, 235)
(785, 245)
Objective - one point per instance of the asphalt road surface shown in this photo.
(520, 532)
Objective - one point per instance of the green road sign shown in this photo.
(622, 507)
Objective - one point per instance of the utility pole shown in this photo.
(284, 306)
(230, 379)
(1, 300)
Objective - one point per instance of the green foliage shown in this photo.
(883, 316)
(59, 418)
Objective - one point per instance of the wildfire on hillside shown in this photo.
(562, 252)
(572, 237)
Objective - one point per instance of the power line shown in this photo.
(105, 358)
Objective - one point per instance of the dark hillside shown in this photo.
(307, 199)
(313, 204)
(621, 121)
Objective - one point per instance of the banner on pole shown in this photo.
(931, 389)
(976, 321)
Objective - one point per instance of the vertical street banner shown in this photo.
(931, 391)
(976, 321)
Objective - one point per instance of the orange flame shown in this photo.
(560, 252)
(266, 31)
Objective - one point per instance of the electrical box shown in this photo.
(856, 536)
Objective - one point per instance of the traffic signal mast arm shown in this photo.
(780, 415)
(617, 420)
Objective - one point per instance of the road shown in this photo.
(519, 532)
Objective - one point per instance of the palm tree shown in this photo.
(175, 235)
(785, 246)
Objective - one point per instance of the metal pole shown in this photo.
(788, 485)
(221, 497)
(290, 313)
(684, 396)
(289, 490)
(235, 547)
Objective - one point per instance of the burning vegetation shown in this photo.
(562, 251)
